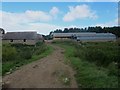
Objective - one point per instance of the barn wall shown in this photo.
(60, 38)
(28, 42)
(97, 40)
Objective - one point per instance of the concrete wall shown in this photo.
(97, 40)
(28, 42)
(60, 38)
(118, 40)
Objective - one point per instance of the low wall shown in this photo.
(28, 42)
(61, 38)
(97, 41)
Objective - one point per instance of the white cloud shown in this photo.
(22, 22)
(79, 12)
(39, 20)
(42, 28)
(109, 24)
(54, 11)
(27, 16)
(38, 15)
(27, 21)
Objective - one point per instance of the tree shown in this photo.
(58, 31)
(2, 31)
(66, 30)
(98, 29)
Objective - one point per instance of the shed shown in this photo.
(22, 37)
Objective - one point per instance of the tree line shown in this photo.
(98, 29)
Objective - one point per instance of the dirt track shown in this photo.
(47, 72)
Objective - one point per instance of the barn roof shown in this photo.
(81, 34)
(20, 35)
(73, 34)
(105, 34)
(62, 34)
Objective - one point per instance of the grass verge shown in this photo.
(88, 74)
(10, 66)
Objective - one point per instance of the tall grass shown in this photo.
(105, 54)
(16, 55)
(94, 68)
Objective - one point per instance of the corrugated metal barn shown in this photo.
(97, 37)
(85, 36)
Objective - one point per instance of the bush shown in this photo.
(79, 52)
(89, 75)
(98, 56)
(15, 55)
(8, 53)
(24, 51)
(27, 54)
(39, 43)
(113, 68)
(40, 49)
(101, 53)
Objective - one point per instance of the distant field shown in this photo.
(16, 55)
(96, 63)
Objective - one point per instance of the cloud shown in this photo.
(19, 22)
(42, 28)
(38, 15)
(39, 20)
(25, 17)
(79, 12)
(109, 24)
(25, 22)
(54, 11)
(28, 21)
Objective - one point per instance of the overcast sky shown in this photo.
(44, 17)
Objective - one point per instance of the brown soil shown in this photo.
(48, 72)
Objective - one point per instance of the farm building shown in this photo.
(85, 36)
(57, 36)
(97, 37)
(29, 38)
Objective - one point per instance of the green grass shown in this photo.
(0, 69)
(0, 58)
(88, 74)
(10, 66)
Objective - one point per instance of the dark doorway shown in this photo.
(24, 40)
(11, 40)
